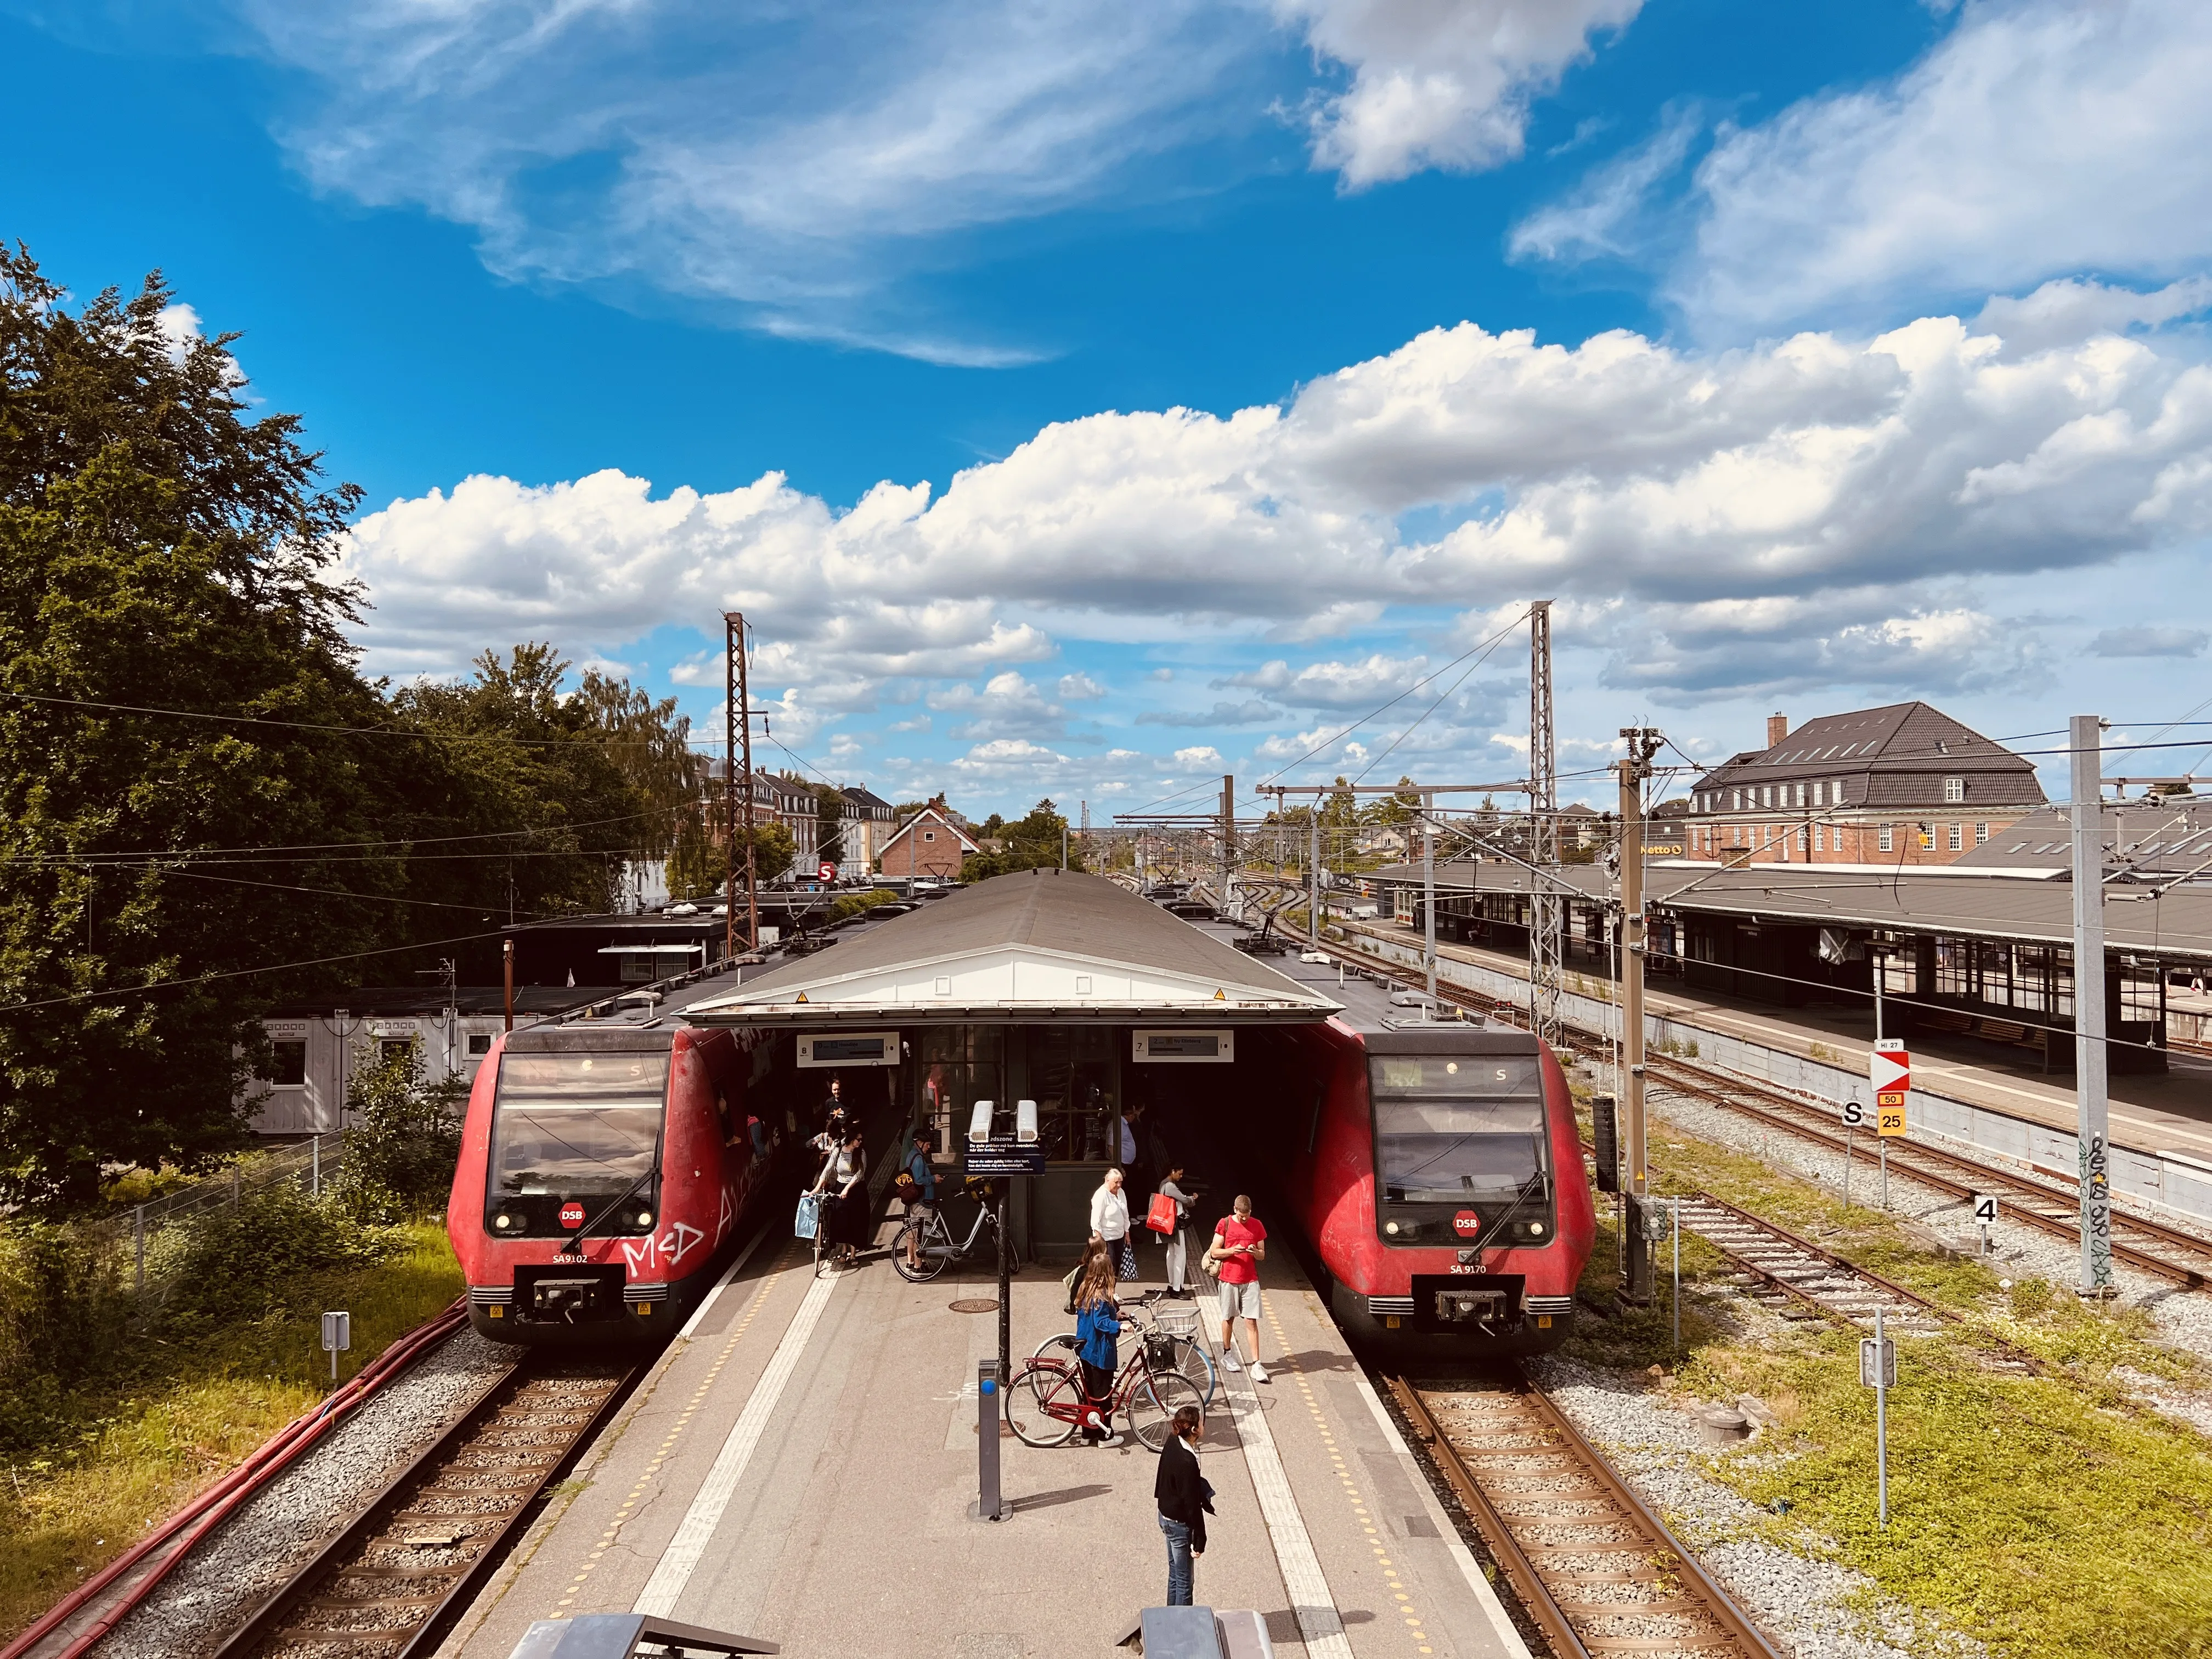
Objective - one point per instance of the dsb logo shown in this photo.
(572, 1214)
(1466, 1224)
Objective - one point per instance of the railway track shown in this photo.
(1594, 1568)
(2164, 1251)
(382, 1587)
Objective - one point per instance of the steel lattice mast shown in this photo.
(1547, 914)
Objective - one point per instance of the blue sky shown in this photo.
(624, 310)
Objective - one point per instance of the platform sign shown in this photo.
(1856, 1114)
(826, 869)
(1001, 1155)
(337, 1337)
(1889, 1112)
(849, 1049)
(1985, 1209)
(1877, 1362)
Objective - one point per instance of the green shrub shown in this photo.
(852, 904)
(233, 1261)
(405, 1138)
(62, 1315)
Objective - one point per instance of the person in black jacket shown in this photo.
(1185, 1499)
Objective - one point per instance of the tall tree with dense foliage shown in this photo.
(163, 556)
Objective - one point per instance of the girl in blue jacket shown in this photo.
(1098, 1331)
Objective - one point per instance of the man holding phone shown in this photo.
(1240, 1245)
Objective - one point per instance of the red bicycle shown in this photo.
(1046, 1404)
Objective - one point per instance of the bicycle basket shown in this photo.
(1159, 1351)
(1177, 1321)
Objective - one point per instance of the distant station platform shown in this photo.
(2165, 1114)
(801, 1466)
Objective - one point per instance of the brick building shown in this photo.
(930, 844)
(1904, 784)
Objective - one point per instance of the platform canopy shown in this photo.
(1037, 945)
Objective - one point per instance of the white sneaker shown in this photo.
(1110, 1441)
(1229, 1364)
(1259, 1372)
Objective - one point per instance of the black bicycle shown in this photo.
(925, 1249)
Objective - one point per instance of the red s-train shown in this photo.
(1436, 1170)
(606, 1167)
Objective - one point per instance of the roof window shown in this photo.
(1955, 789)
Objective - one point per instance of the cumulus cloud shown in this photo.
(2150, 642)
(1438, 83)
(1825, 472)
(2037, 139)
(1007, 705)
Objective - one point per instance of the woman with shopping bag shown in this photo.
(1169, 1219)
(1110, 1222)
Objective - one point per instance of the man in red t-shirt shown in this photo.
(1240, 1245)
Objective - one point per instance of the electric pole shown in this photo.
(1546, 912)
(1228, 835)
(1643, 742)
(2090, 1053)
(741, 743)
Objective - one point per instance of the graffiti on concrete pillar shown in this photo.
(2096, 1212)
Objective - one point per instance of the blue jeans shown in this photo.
(1179, 1569)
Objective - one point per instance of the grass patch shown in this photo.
(2047, 1517)
(97, 1461)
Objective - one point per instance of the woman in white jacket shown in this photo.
(1110, 1222)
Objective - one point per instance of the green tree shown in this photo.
(1032, 842)
(159, 551)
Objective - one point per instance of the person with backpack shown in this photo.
(1176, 1235)
(1097, 1350)
(843, 1187)
(917, 1187)
(1184, 1499)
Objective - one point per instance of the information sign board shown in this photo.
(1001, 1155)
(1889, 1068)
(1856, 1114)
(1889, 1112)
(1985, 1209)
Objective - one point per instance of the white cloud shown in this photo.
(1079, 687)
(2150, 641)
(2037, 139)
(2074, 308)
(1252, 711)
(1838, 476)
(1602, 217)
(1007, 705)
(1439, 84)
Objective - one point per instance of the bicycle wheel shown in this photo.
(1152, 1406)
(933, 1261)
(1043, 1410)
(1196, 1365)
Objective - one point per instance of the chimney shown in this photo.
(1778, 727)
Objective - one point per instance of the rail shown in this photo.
(57, 1635)
(418, 1550)
(2141, 1242)
(1528, 1479)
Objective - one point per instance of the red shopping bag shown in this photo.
(1161, 1217)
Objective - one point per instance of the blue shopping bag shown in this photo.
(808, 1222)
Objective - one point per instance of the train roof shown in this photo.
(1044, 945)
(1371, 1006)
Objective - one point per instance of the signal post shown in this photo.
(1643, 742)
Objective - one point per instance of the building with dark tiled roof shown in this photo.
(1904, 784)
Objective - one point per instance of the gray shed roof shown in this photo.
(1034, 945)
(1898, 749)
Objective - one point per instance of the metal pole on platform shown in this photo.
(988, 1504)
(2090, 1053)
(1005, 1290)
(1641, 741)
(1884, 1144)
(1429, 897)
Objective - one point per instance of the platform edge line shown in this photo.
(1303, 1579)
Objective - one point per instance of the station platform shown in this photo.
(800, 1465)
(2164, 1114)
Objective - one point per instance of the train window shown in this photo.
(574, 1126)
(1456, 1129)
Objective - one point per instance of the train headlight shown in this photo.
(1391, 1227)
(644, 1218)
(503, 1221)
(1536, 1228)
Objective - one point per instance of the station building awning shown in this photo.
(1037, 945)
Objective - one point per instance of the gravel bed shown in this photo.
(1802, 1602)
(281, 1527)
(2181, 1318)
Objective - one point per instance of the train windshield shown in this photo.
(1457, 1129)
(576, 1125)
